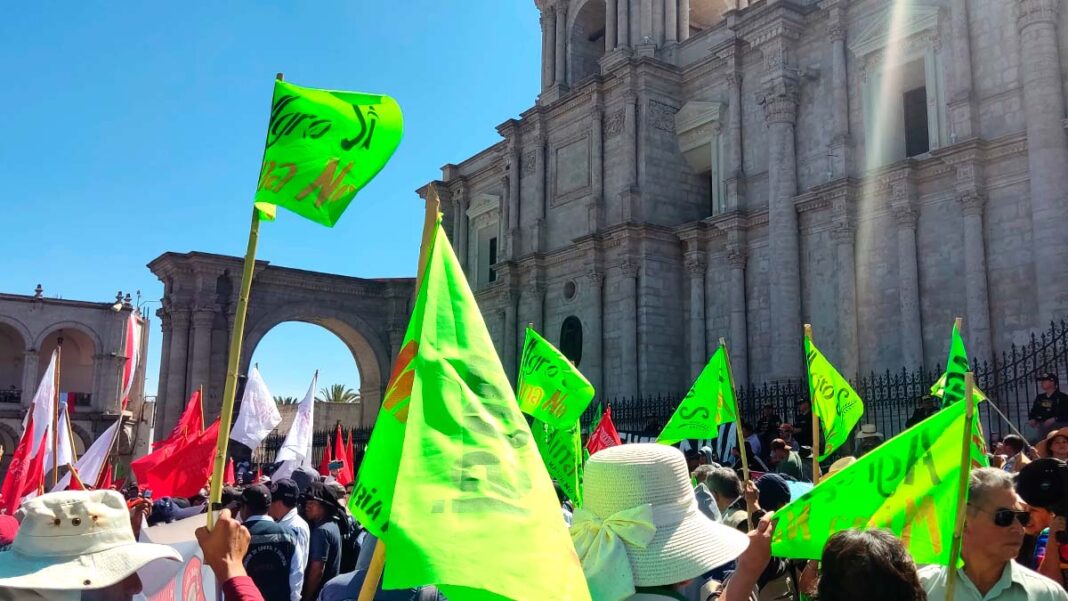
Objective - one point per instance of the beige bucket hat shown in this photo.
(76, 540)
(640, 525)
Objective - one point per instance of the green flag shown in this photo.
(834, 401)
(452, 482)
(709, 403)
(561, 450)
(550, 388)
(938, 389)
(322, 148)
(909, 485)
(952, 382)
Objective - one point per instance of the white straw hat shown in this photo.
(76, 540)
(649, 485)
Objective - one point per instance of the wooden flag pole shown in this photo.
(815, 421)
(962, 488)
(430, 222)
(738, 430)
(55, 416)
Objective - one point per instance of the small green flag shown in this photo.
(834, 401)
(561, 450)
(452, 482)
(938, 389)
(952, 382)
(322, 148)
(709, 403)
(909, 485)
(550, 387)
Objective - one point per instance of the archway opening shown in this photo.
(571, 339)
(709, 13)
(587, 40)
(291, 351)
(77, 362)
(12, 354)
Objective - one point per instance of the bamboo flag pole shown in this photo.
(962, 489)
(226, 413)
(55, 415)
(815, 422)
(430, 222)
(738, 430)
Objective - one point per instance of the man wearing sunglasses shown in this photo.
(993, 533)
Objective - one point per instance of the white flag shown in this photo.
(258, 416)
(43, 402)
(296, 451)
(64, 448)
(92, 463)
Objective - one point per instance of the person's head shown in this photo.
(994, 524)
(779, 450)
(705, 456)
(255, 500)
(774, 492)
(747, 429)
(786, 431)
(1041, 518)
(725, 486)
(284, 495)
(649, 481)
(79, 541)
(1048, 382)
(320, 503)
(693, 459)
(1010, 445)
(869, 564)
(1054, 445)
(702, 473)
(804, 406)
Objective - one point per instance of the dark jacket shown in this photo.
(269, 558)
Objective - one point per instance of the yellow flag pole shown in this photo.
(815, 423)
(55, 416)
(430, 222)
(738, 429)
(962, 494)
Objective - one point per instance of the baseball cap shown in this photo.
(322, 493)
(1047, 376)
(256, 495)
(286, 491)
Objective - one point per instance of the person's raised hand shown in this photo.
(224, 546)
(752, 496)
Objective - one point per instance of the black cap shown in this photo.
(256, 498)
(1047, 376)
(286, 491)
(318, 491)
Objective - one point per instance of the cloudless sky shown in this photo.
(129, 130)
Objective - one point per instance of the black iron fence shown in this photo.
(268, 450)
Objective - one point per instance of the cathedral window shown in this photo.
(571, 339)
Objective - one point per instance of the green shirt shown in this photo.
(791, 466)
(1017, 583)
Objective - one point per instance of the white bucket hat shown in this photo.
(76, 540)
(640, 525)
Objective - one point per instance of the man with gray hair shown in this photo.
(705, 502)
(993, 533)
(726, 489)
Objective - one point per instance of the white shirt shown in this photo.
(294, 522)
(296, 567)
(1017, 583)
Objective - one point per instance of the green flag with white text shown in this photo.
(549, 386)
(952, 382)
(322, 148)
(834, 401)
(709, 403)
(909, 485)
(452, 482)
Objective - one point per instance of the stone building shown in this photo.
(698, 169)
(92, 359)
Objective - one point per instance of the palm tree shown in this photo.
(338, 393)
(285, 400)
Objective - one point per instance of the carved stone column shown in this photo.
(671, 22)
(514, 171)
(535, 297)
(908, 279)
(975, 282)
(593, 357)
(510, 332)
(1047, 151)
(734, 127)
(561, 44)
(739, 341)
(538, 235)
(840, 143)
(647, 35)
(29, 376)
(844, 237)
(596, 213)
(164, 360)
(623, 33)
(177, 372)
(610, 25)
(630, 194)
(962, 115)
(684, 20)
(203, 319)
(461, 224)
(548, 47)
(628, 328)
(695, 267)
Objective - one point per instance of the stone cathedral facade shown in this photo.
(703, 169)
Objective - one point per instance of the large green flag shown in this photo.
(550, 388)
(322, 148)
(909, 485)
(452, 482)
(834, 401)
(709, 403)
(952, 382)
(561, 450)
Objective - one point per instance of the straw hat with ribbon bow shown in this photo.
(640, 525)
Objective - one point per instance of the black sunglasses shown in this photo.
(1003, 517)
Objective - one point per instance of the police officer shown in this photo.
(1050, 409)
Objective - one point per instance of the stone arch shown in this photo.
(80, 348)
(82, 438)
(68, 325)
(371, 354)
(20, 328)
(9, 439)
(14, 342)
(587, 39)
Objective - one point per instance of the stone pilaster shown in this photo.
(560, 71)
(628, 328)
(203, 319)
(29, 376)
(695, 267)
(841, 143)
(534, 294)
(671, 22)
(844, 237)
(629, 197)
(537, 241)
(623, 16)
(734, 172)
(165, 358)
(460, 224)
(593, 356)
(684, 20)
(977, 323)
(739, 336)
(177, 371)
(1047, 151)
(596, 212)
(511, 299)
(548, 47)
(514, 169)
(646, 13)
(908, 280)
(963, 117)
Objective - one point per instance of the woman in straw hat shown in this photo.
(641, 537)
(1054, 445)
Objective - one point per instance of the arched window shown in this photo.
(571, 339)
(587, 41)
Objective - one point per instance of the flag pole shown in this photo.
(430, 222)
(233, 359)
(738, 429)
(55, 416)
(815, 421)
(962, 487)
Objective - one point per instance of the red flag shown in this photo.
(259, 474)
(324, 465)
(191, 424)
(344, 476)
(75, 481)
(24, 475)
(188, 468)
(351, 454)
(605, 435)
(104, 483)
(228, 475)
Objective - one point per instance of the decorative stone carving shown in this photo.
(781, 108)
(662, 116)
(695, 264)
(971, 202)
(843, 233)
(1029, 12)
(629, 268)
(613, 124)
(736, 257)
(595, 279)
(529, 160)
(904, 215)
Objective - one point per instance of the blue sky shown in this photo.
(132, 131)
